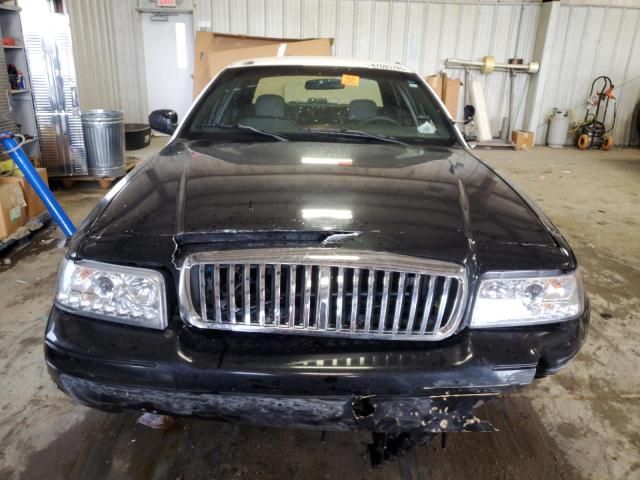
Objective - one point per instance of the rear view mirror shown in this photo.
(164, 121)
(324, 84)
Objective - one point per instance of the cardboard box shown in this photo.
(435, 82)
(448, 89)
(214, 51)
(32, 199)
(13, 209)
(522, 140)
(451, 93)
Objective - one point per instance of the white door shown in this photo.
(168, 59)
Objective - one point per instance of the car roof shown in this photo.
(319, 61)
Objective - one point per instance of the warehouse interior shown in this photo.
(528, 84)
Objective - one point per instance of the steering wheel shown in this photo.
(381, 118)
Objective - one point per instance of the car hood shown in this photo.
(440, 203)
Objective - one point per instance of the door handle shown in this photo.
(74, 97)
(62, 102)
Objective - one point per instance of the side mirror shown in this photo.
(469, 113)
(164, 121)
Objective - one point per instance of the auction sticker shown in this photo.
(350, 80)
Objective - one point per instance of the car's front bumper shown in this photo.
(301, 381)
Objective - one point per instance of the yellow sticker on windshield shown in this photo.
(350, 80)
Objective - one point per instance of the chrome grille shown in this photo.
(322, 291)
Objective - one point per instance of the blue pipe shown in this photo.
(30, 173)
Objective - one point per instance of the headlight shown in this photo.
(135, 296)
(507, 300)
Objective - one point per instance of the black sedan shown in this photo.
(315, 247)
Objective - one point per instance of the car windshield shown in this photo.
(284, 103)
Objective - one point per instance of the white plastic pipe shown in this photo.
(489, 64)
(481, 117)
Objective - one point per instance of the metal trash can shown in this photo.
(104, 142)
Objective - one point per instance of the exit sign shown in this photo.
(166, 3)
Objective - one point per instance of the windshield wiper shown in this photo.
(354, 134)
(247, 128)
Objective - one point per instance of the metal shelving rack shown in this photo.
(17, 109)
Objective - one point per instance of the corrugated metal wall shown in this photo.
(592, 41)
(109, 56)
(418, 33)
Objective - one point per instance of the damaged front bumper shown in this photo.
(286, 381)
(375, 413)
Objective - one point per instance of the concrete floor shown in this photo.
(581, 423)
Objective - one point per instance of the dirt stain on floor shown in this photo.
(114, 446)
(41, 241)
